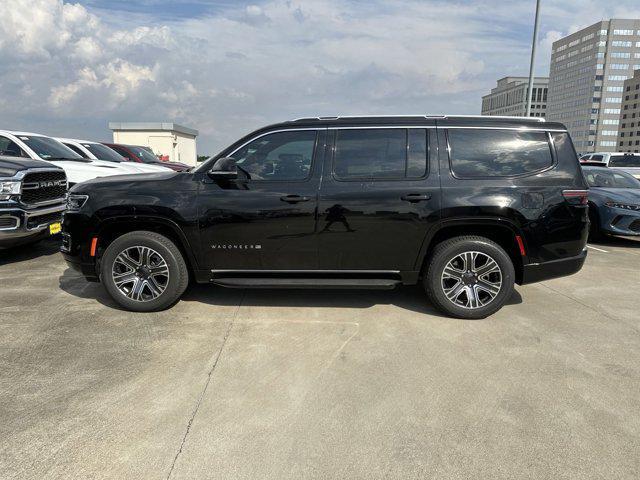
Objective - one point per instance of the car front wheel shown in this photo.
(144, 271)
(469, 277)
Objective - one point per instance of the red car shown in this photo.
(137, 153)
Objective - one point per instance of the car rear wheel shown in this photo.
(144, 271)
(469, 277)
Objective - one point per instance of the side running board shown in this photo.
(351, 283)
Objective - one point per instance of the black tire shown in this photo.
(174, 283)
(449, 250)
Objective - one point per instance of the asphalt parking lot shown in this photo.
(311, 384)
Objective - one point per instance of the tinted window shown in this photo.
(278, 156)
(121, 151)
(48, 148)
(385, 153)
(624, 161)
(502, 153)
(76, 149)
(598, 158)
(144, 155)
(10, 148)
(102, 152)
(601, 177)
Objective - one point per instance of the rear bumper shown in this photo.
(537, 272)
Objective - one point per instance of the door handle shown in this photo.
(415, 197)
(294, 198)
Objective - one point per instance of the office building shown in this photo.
(629, 131)
(509, 97)
(586, 81)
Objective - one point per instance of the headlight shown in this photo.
(624, 206)
(8, 188)
(76, 202)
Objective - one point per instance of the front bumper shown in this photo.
(18, 225)
(620, 221)
(537, 272)
(76, 241)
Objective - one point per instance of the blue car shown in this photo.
(614, 202)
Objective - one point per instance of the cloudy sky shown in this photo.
(226, 67)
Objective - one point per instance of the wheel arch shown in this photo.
(502, 231)
(114, 227)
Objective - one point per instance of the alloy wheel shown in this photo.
(140, 273)
(471, 280)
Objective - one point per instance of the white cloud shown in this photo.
(67, 71)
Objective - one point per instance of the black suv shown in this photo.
(32, 199)
(465, 205)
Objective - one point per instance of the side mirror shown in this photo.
(223, 169)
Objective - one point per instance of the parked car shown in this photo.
(32, 199)
(627, 162)
(467, 206)
(136, 153)
(40, 147)
(614, 202)
(98, 151)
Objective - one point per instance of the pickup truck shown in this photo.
(41, 147)
(99, 152)
(627, 162)
(32, 199)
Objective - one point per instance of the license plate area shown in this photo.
(55, 228)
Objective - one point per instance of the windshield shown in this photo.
(102, 152)
(601, 177)
(144, 155)
(50, 149)
(624, 161)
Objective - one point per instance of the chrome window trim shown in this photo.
(524, 128)
(383, 127)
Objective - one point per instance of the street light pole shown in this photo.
(533, 58)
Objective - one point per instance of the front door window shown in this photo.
(281, 156)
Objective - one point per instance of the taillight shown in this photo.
(576, 197)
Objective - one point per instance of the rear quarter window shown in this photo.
(478, 153)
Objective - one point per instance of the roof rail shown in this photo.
(497, 117)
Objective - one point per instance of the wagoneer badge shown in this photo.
(235, 247)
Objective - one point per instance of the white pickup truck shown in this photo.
(98, 151)
(627, 162)
(41, 147)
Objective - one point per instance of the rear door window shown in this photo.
(624, 161)
(477, 153)
(380, 154)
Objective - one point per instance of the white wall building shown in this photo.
(164, 138)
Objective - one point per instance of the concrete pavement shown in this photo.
(304, 384)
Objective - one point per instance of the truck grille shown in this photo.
(46, 219)
(40, 187)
